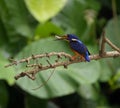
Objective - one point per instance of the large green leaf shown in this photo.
(105, 73)
(47, 29)
(3, 95)
(32, 101)
(85, 73)
(115, 80)
(6, 73)
(113, 34)
(3, 37)
(43, 10)
(14, 17)
(64, 81)
(78, 17)
(88, 91)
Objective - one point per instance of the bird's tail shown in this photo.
(87, 57)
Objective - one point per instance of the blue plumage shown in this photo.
(78, 46)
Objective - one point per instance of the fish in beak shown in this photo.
(61, 37)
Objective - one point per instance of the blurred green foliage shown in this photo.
(27, 27)
(43, 12)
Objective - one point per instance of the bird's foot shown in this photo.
(82, 58)
(73, 58)
(77, 57)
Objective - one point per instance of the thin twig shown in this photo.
(112, 45)
(45, 81)
(104, 41)
(102, 49)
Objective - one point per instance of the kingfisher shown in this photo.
(77, 46)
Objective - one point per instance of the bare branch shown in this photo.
(112, 45)
(39, 56)
(102, 49)
(38, 67)
(104, 41)
(35, 70)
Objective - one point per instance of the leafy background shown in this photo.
(28, 27)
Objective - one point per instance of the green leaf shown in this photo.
(47, 29)
(105, 73)
(57, 85)
(3, 37)
(88, 91)
(43, 10)
(113, 34)
(76, 16)
(3, 95)
(6, 73)
(63, 81)
(85, 73)
(115, 80)
(93, 96)
(32, 101)
(14, 17)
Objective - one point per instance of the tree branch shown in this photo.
(102, 47)
(38, 67)
(112, 45)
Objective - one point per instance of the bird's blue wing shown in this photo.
(79, 47)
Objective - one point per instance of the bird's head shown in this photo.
(68, 37)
